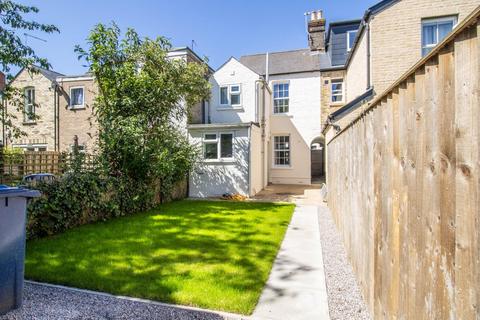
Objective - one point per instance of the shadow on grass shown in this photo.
(208, 254)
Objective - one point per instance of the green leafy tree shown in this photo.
(15, 54)
(143, 102)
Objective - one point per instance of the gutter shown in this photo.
(347, 109)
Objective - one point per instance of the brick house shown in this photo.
(46, 117)
(393, 35)
(59, 108)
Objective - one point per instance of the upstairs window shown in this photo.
(281, 97)
(235, 93)
(231, 95)
(434, 31)
(351, 35)
(224, 95)
(76, 97)
(29, 105)
(337, 91)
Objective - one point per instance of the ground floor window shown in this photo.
(31, 148)
(281, 151)
(218, 146)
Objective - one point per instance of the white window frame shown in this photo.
(26, 116)
(77, 106)
(35, 147)
(287, 98)
(239, 93)
(336, 80)
(350, 45)
(229, 95)
(435, 21)
(280, 166)
(218, 142)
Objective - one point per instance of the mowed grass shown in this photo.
(208, 254)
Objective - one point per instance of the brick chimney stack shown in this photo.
(316, 31)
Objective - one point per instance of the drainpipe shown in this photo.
(263, 120)
(249, 183)
(55, 136)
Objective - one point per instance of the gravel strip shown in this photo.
(344, 297)
(42, 302)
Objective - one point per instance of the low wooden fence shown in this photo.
(404, 187)
(14, 166)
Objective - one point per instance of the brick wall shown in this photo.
(42, 131)
(327, 107)
(78, 121)
(356, 80)
(396, 35)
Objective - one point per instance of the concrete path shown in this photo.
(296, 287)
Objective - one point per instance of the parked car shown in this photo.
(33, 179)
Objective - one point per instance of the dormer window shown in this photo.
(77, 97)
(231, 95)
(351, 35)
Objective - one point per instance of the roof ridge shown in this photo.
(273, 52)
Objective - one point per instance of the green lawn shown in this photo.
(208, 254)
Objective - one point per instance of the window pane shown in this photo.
(429, 34)
(224, 95)
(235, 89)
(77, 97)
(226, 145)
(29, 104)
(211, 151)
(210, 136)
(444, 29)
(235, 99)
(351, 39)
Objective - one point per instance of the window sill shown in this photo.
(219, 161)
(239, 108)
(286, 115)
(336, 104)
(282, 168)
(29, 123)
(76, 107)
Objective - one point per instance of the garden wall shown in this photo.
(404, 187)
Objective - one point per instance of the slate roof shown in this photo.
(49, 74)
(294, 61)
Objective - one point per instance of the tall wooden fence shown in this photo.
(404, 187)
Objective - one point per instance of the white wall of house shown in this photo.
(234, 73)
(213, 178)
(302, 124)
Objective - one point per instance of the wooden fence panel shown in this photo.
(404, 187)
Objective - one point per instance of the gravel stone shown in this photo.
(345, 299)
(41, 302)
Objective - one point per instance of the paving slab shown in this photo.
(296, 286)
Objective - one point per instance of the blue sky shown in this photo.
(220, 28)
